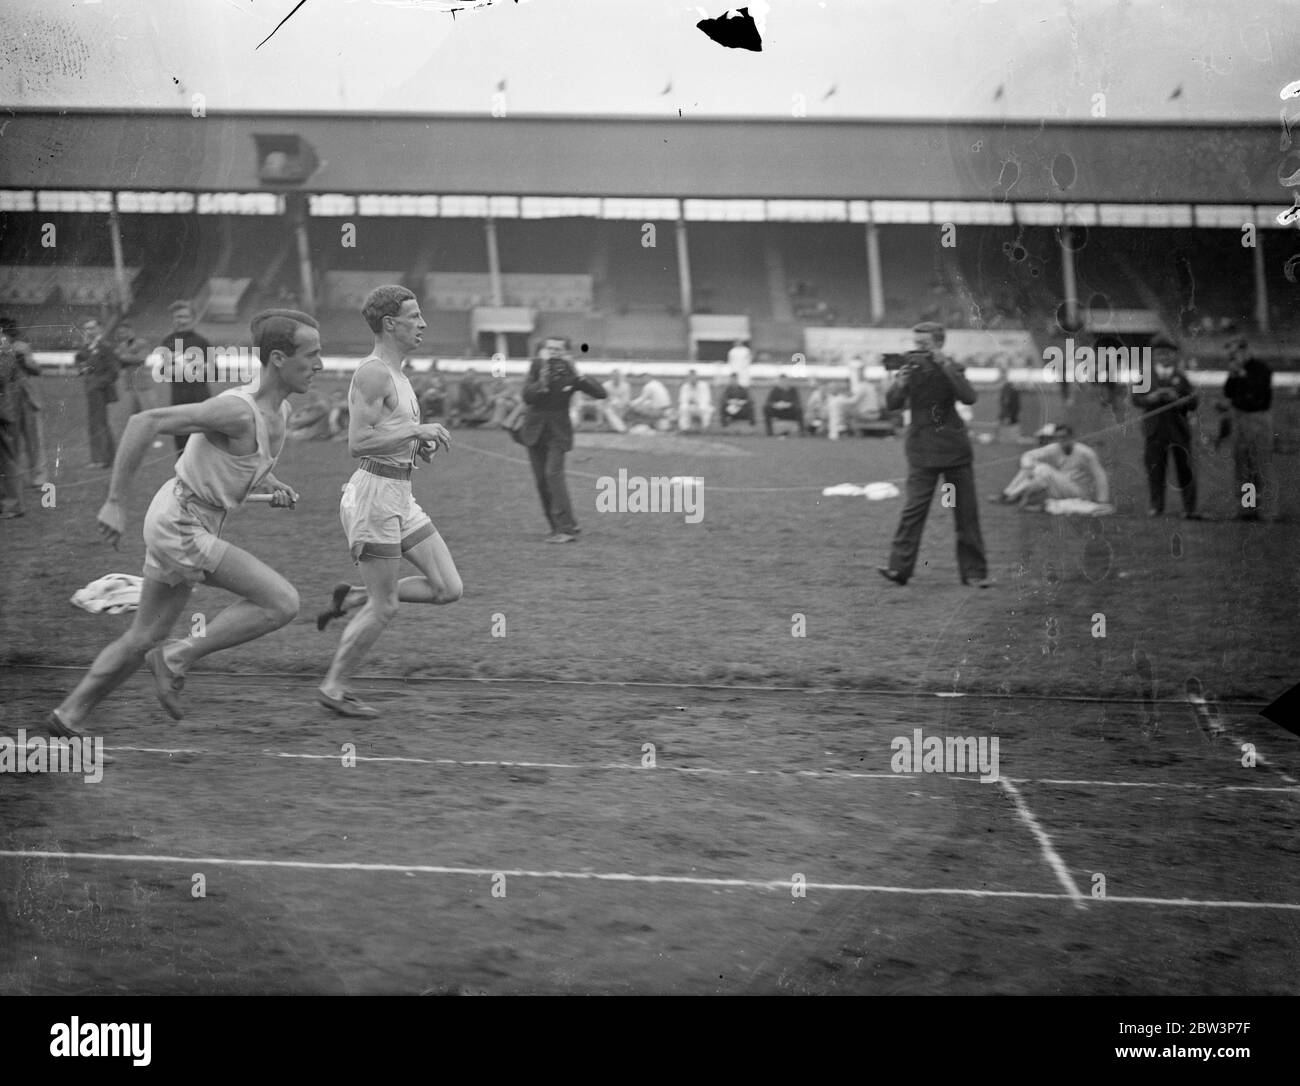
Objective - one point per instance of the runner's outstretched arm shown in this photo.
(222, 415)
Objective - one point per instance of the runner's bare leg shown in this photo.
(160, 606)
(269, 602)
(360, 635)
(439, 582)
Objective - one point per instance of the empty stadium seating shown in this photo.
(76, 286)
(346, 290)
(595, 281)
(219, 300)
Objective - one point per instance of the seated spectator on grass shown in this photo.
(473, 407)
(862, 403)
(783, 403)
(316, 419)
(431, 391)
(736, 404)
(694, 403)
(582, 408)
(615, 407)
(652, 405)
(1008, 404)
(505, 397)
(1063, 469)
(816, 409)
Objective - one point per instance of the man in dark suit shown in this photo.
(98, 363)
(186, 338)
(736, 404)
(548, 431)
(930, 384)
(1249, 389)
(1168, 411)
(783, 403)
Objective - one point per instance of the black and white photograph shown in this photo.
(589, 498)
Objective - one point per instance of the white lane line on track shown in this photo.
(609, 876)
(1156, 784)
(828, 774)
(245, 677)
(1054, 861)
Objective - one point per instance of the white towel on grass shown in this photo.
(112, 594)
(1079, 507)
(872, 491)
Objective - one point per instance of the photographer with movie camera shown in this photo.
(547, 430)
(930, 384)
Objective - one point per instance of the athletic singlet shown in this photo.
(221, 479)
(406, 410)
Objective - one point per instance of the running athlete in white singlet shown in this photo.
(381, 518)
(237, 438)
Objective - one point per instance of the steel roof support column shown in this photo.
(875, 281)
(684, 281)
(1069, 285)
(1261, 282)
(296, 204)
(119, 265)
(494, 275)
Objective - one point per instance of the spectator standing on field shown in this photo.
(1168, 408)
(186, 339)
(1249, 389)
(30, 432)
(98, 365)
(739, 359)
(11, 380)
(139, 390)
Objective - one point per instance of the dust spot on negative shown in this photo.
(1065, 322)
(1064, 171)
(1100, 310)
(1073, 235)
(42, 53)
(585, 348)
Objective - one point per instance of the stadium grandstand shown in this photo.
(647, 239)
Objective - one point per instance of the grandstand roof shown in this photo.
(1099, 161)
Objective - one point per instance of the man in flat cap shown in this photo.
(1168, 408)
(931, 384)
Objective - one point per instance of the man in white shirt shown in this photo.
(863, 401)
(694, 403)
(739, 359)
(1064, 469)
(653, 405)
(620, 395)
(816, 409)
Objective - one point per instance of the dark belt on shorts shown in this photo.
(388, 471)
